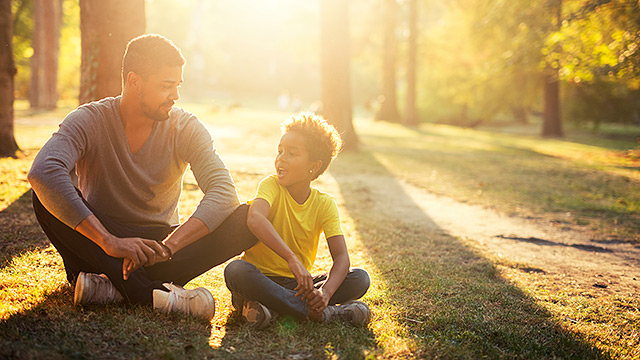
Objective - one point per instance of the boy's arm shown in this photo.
(337, 274)
(262, 228)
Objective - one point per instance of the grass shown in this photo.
(432, 295)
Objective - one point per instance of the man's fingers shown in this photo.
(156, 247)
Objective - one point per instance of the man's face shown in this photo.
(160, 92)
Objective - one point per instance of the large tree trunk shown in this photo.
(47, 18)
(335, 56)
(8, 146)
(551, 117)
(106, 28)
(411, 113)
(389, 107)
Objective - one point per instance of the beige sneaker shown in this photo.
(95, 289)
(197, 302)
(256, 314)
(355, 312)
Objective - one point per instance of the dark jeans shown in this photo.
(246, 282)
(79, 253)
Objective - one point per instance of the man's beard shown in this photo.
(154, 114)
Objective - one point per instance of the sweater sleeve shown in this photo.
(212, 175)
(50, 174)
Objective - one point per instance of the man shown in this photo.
(118, 231)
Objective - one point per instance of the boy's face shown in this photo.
(293, 165)
(160, 92)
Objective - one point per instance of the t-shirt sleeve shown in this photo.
(50, 174)
(211, 173)
(268, 190)
(331, 219)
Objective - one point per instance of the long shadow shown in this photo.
(451, 301)
(55, 329)
(20, 231)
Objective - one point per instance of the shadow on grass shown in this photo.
(55, 329)
(20, 230)
(451, 302)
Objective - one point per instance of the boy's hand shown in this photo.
(304, 278)
(318, 300)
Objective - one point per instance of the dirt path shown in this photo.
(570, 255)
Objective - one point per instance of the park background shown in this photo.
(525, 110)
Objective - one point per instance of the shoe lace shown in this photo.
(103, 288)
(179, 299)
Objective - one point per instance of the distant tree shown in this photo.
(43, 93)
(335, 60)
(410, 112)
(8, 145)
(551, 118)
(389, 107)
(106, 28)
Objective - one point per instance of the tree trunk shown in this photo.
(47, 18)
(389, 108)
(8, 145)
(411, 113)
(106, 28)
(551, 117)
(335, 58)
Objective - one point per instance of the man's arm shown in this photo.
(137, 251)
(262, 228)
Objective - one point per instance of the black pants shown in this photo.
(79, 253)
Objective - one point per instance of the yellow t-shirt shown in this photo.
(299, 225)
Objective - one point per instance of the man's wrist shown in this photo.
(167, 248)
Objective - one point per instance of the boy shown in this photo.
(288, 216)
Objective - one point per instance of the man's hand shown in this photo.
(302, 275)
(318, 300)
(136, 252)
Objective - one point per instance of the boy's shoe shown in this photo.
(95, 289)
(256, 315)
(355, 312)
(197, 302)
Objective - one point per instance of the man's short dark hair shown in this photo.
(147, 53)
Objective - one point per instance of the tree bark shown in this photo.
(551, 117)
(47, 17)
(389, 107)
(8, 145)
(411, 113)
(106, 28)
(335, 59)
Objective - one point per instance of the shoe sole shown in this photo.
(79, 290)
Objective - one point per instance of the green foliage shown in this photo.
(22, 51)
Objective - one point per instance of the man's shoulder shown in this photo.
(90, 113)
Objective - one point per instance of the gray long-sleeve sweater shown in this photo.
(141, 188)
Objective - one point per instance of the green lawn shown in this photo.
(432, 295)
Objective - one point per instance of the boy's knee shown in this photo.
(361, 277)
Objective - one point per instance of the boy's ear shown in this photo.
(316, 166)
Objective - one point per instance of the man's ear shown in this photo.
(133, 80)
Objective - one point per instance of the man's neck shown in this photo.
(131, 115)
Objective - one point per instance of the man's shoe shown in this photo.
(197, 302)
(95, 289)
(354, 312)
(256, 315)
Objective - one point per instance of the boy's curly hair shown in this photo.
(323, 141)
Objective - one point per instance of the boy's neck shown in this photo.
(300, 192)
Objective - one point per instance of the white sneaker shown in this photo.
(95, 289)
(197, 302)
(256, 314)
